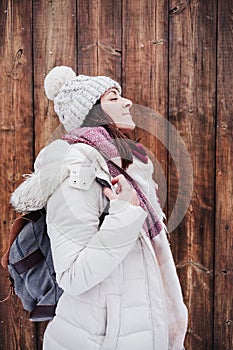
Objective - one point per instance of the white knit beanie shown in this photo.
(74, 96)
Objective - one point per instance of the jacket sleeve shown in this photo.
(83, 254)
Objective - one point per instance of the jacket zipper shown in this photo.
(148, 292)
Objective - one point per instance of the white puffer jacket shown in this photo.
(120, 291)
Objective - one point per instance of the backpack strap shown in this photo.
(28, 261)
(105, 212)
(11, 289)
(43, 311)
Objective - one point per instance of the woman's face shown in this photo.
(118, 108)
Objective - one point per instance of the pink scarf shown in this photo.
(99, 138)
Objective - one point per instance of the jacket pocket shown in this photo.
(113, 322)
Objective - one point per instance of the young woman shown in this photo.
(121, 290)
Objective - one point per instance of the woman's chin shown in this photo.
(126, 127)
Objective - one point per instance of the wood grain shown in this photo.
(16, 138)
(223, 315)
(144, 75)
(192, 83)
(54, 44)
(87, 55)
(109, 39)
(99, 38)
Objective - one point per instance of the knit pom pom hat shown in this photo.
(74, 96)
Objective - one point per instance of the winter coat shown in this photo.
(121, 291)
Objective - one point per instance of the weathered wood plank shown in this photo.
(87, 55)
(145, 53)
(144, 74)
(192, 79)
(223, 317)
(109, 40)
(16, 138)
(54, 43)
(99, 38)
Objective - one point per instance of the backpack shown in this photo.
(30, 264)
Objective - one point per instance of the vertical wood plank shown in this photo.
(223, 318)
(145, 53)
(192, 79)
(109, 39)
(144, 74)
(16, 138)
(54, 44)
(88, 17)
(99, 47)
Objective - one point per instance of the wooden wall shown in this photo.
(172, 56)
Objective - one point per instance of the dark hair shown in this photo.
(97, 117)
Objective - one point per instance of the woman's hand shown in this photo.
(123, 191)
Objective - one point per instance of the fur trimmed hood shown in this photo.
(48, 173)
(52, 166)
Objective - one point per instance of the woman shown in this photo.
(121, 289)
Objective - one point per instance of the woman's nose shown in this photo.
(127, 103)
